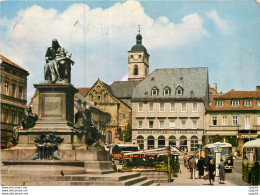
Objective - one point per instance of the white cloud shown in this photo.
(125, 78)
(221, 24)
(97, 38)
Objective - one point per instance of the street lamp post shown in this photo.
(217, 159)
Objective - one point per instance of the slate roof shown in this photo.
(123, 89)
(190, 79)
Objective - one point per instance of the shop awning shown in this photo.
(160, 151)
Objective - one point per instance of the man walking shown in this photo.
(192, 165)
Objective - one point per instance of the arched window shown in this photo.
(161, 141)
(172, 140)
(140, 142)
(150, 142)
(135, 70)
(109, 137)
(194, 143)
(154, 91)
(166, 91)
(183, 143)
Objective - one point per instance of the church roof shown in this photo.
(192, 81)
(139, 46)
(123, 89)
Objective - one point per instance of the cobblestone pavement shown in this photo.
(183, 179)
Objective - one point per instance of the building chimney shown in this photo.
(257, 88)
(216, 87)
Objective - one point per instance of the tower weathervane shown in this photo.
(139, 28)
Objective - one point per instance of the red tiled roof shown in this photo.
(212, 91)
(213, 96)
(240, 95)
(6, 60)
(83, 91)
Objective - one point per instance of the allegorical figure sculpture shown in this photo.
(58, 64)
(29, 118)
(47, 145)
(85, 126)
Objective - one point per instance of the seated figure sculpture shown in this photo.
(58, 64)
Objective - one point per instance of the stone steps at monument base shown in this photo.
(107, 177)
(146, 182)
(108, 181)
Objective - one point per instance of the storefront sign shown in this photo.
(168, 132)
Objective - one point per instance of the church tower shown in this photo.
(138, 61)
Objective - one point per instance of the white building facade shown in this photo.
(168, 108)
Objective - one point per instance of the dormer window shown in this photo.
(166, 91)
(235, 103)
(220, 103)
(155, 91)
(179, 91)
(247, 103)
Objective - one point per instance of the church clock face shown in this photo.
(135, 56)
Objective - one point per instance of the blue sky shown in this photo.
(220, 35)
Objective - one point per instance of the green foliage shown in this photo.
(157, 163)
(127, 133)
(116, 149)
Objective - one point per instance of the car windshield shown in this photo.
(226, 151)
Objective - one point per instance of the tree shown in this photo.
(127, 133)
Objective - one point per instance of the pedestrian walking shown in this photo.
(221, 168)
(192, 165)
(201, 166)
(212, 170)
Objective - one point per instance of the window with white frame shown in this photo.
(247, 103)
(172, 107)
(150, 109)
(172, 124)
(140, 107)
(150, 124)
(155, 91)
(161, 107)
(161, 123)
(194, 124)
(140, 124)
(214, 120)
(258, 102)
(183, 107)
(235, 103)
(224, 120)
(195, 107)
(258, 120)
(235, 120)
(247, 122)
(179, 91)
(166, 91)
(183, 124)
(220, 103)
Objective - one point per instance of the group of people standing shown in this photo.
(197, 167)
